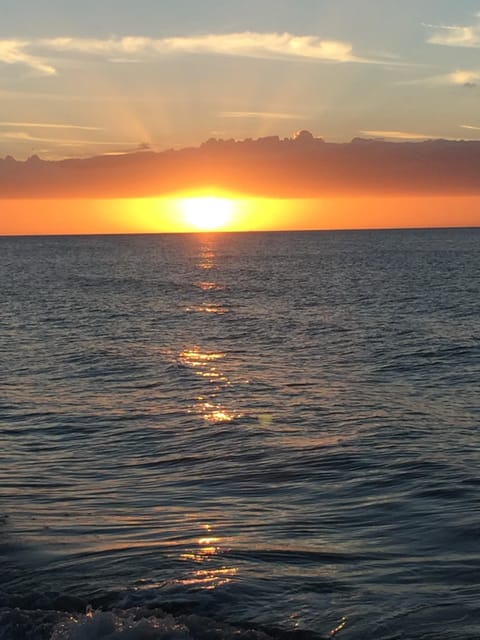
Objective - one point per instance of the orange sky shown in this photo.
(87, 216)
(300, 104)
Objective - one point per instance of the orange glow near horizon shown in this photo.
(207, 213)
(192, 212)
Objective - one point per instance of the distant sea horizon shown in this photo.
(228, 231)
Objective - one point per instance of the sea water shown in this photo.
(240, 436)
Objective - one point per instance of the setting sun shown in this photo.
(207, 213)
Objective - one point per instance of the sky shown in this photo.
(109, 76)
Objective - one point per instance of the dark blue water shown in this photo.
(218, 436)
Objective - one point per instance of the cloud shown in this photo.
(24, 136)
(397, 135)
(260, 115)
(460, 78)
(410, 136)
(266, 45)
(15, 52)
(48, 125)
(248, 44)
(463, 77)
(273, 167)
(455, 35)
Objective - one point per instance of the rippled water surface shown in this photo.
(212, 436)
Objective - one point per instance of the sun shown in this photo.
(207, 213)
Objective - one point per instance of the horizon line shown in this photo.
(226, 232)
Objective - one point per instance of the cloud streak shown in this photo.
(16, 52)
(463, 78)
(459, 78)
(38, 53)
(24, 136)
(397, 135)
(455, 35)
(48, 125)
(266, 45)
(408, 136)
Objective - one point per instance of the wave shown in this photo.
(63, 622)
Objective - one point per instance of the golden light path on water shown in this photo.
(206, 364)
(206, 549)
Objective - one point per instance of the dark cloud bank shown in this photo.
(302, 166)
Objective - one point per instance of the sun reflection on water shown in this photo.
(216, 413)
(195, 357)
(202, 363)
(207, 261)
(207, 258)
(206, 285)
(210, 579)
(206, 550)
(340, 627)
(208, 308)
(205, 364)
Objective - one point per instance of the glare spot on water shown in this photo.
(209, 286)
(204, 363)
(207, 259)
(208, 549)
(339, 628)
(194, 357)
(216, 413)
(207, 308)
(208, 540)
(210, 579)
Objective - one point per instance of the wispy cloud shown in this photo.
(38, 53)
(464, 78)
(455, 35)
(397, 135)
(24, 136)
(266, 45)
(48, 125)
(460, 78)
(246, 44)
(16, 52)
(260, 115)
(414, 137)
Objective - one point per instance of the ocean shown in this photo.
(249, 436)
